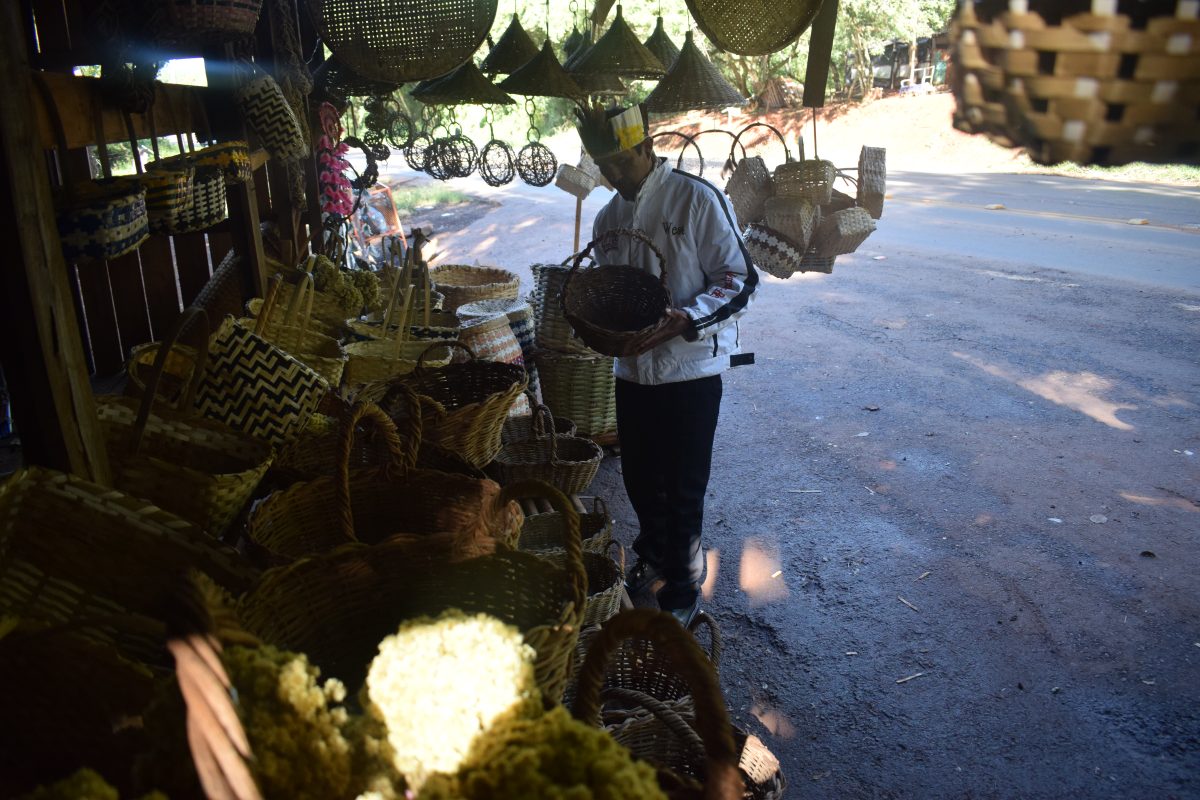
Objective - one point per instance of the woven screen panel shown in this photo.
(403, 40)
(753, 27)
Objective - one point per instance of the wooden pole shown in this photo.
(41, 346)
(578, 217)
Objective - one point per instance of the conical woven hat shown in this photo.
(572, 42)
(337, 80)
(464, 86)
(692, 83)
(542, 76)
(753, 27)
(514, 49)
(661, 45)
(592, 84)
(619, 52)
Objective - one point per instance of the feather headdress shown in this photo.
(605, 132)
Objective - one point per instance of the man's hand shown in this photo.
(676, 323)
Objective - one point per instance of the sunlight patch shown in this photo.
(761, 576)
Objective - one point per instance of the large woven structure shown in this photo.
(464, 86)
(619, 52)
(661, 45)
(693, 82)
(1099, 87)
(513, 49)
(542, 76)
(403, 40)
(753, 27)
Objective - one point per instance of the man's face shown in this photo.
(627, 169)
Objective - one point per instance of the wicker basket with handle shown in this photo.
(581, 388)
(461, 284)
(568, 463)
(543, 529)
(339, 606)
(371, 504)
(295, 334)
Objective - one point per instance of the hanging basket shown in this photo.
(542, 76)
(661, 46)
(267, 111)
(692, 83)
(753, 27)
(810, 180)
(169, 195)
(373, 504)
(749, 188)
(872, 179)
(512, 50)
(210, 21)
(569, 463)
(773, 252)
(794, 217)
(842, 232)
(200, 469)
(611, 305)
(466, 284)
(338, 607)
(619, 53)
(232, 158)
(399, 41)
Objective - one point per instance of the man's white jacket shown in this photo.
(709, 271)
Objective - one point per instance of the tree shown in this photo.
(866, 25)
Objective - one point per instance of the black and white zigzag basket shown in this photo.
(268, 113)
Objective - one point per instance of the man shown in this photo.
(669, 391)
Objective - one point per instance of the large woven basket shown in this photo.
(338, 607)
(610, 305)
(550, 326)
(720, 756)
(210, 21)
(200, 469)
(569, 463)
(753, 27)
(581, 388)
(399, 41)
(470, 402)
(1101, 87)
(463, 284)
(372, 504)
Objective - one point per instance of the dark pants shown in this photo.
(666, 435)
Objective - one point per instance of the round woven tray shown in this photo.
(463, 284)
(753, 27)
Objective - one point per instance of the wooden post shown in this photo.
(40, 347)
(578, 217)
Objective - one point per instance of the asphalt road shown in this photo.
(954, 509)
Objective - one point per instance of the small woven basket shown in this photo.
(872, 179)
(168, 196)
(520, 319)
(748, 188)
(773, 252)
(810, 180)
(519, 427)
(794, 217)
(339, 606)
(612, 304)
(581, 388)
(543, 530)
(211, 21)
(466, 284)
(574, 181)
(207, 205)
(842, 232)
(569, 463)
(270, 116)
(605, 582)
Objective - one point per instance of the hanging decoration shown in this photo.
(418, 145)
(333, 184)
(514, 48)
(619, 52)
(465, 85)
(337, 83)
(661, 45)
(542, 76)
(753, 27)
(693, 82)
(497, 162)
(536, 163)
(451, 156)
(593, 84)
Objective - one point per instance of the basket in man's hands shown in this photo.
(611, 306)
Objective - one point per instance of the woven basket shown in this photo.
(463, 284)
(520, 319)
(574, 181)
(512, 50)
(753, 27)
(295, 336)
(619, 52)
(211, 21)
(692, 82)
(872, 179)
(605, 582)
(581, 388)
(842, 232)
(491, 338)
(232, 158)
(551, 329)
(687, 661)
(810, 180)
(519, 427)
(1099, 87)
(169, 195)
(612, 304)
(270, 116)
(207, 205)
(442, 325)
(178, 371)
(338, 607)
(399, 41)
(773, 252)
(748, 188)
(470, 400)
(103, 219)
(200, 469)
(569, 463)
(372, 504)
(543, 530)
(794, 217)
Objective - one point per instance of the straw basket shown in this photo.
(369, 505)
(338, 607)
(543, 531)
(1101, 87)
(753, 27)
(520, 319)
(103, 219)
(465, 284)
(232, 158)
(574, 181)
(294, 334)
(872, 179)
(748, 188)
(551, 329)
(267, 111)
(612, 304)
(200, 469)
(794, 217)
(168, 196)
(177, 373)
(519, 427)
(568, 463)
(211, 21)
(842, 232)
(810, 180)
(581, 388)
(605, 582)
(470, 402)
(720, 756)
(376, 360)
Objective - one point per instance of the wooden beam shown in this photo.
(820, 54)
(41, 348)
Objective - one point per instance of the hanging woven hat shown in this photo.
(593, 84)
(338, 81)
(693, 82)
(572, 42)
(661, 45)
(619, 52)
(514, 49)
(402, 40)
(542, 76)
(753, 27)
(464, 86)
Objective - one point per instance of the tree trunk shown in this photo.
(912, 61)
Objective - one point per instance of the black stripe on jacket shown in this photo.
(743, 297)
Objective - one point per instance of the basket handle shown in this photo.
(192, 318)
(722, 779)
(302, 302)
(632, 233)
(737, 140)
(573, 539)
(667, 715)
(402, 326)
(268, 306)
(543, 420)
(401, 458)
(427, 350)
(621, 557)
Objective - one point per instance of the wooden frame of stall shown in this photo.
(71, 326)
